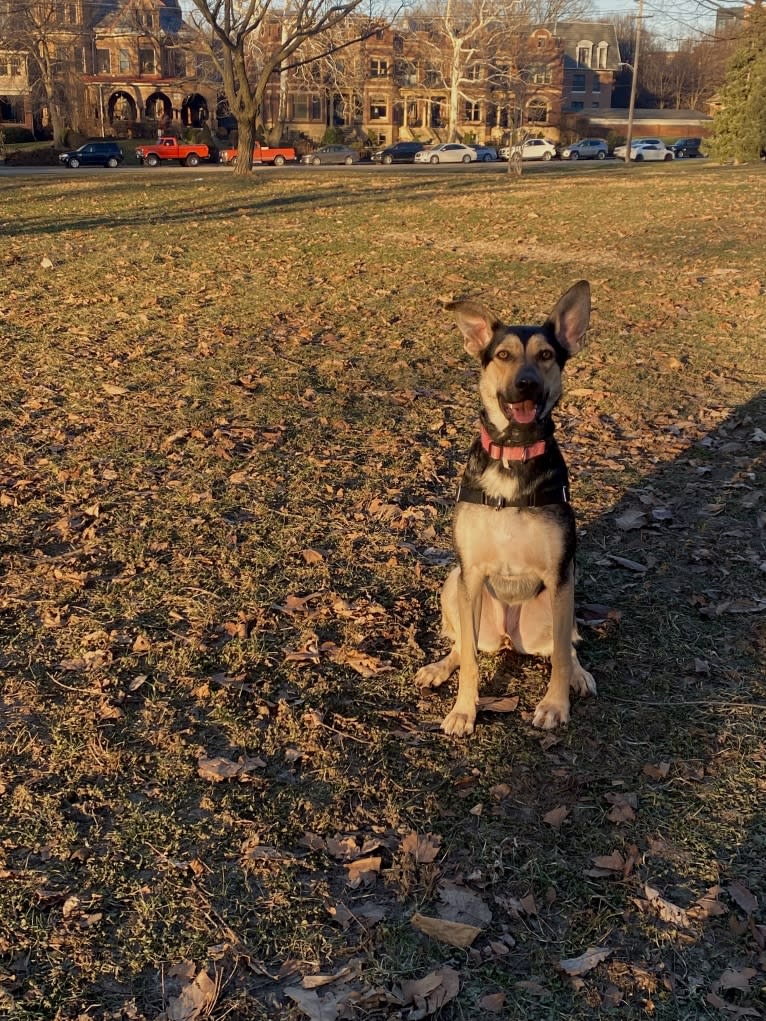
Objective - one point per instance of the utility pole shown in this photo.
(632, 103)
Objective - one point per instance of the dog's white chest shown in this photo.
(506, 543)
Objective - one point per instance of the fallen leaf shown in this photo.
(430, 993)
(665, 910)
(629, 565)
(658, 772)
(507, 704)
(114, 390)
(312, 556)
(196, 998)
(219, 768)
(424, 849)
(614, 862)
(742, 897)
(585, 962)
(530, 986)
(458, 904)
(362, 871)
(315, 1008)
(734, 978)
(630, 520)
(731, 1008)
(456, 934)
(493, 1002)
(556, 816)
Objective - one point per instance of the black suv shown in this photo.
(93, 154)
(685, 148)
(400, 152)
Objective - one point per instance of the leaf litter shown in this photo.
(226, 522)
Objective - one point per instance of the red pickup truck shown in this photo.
(168, 148)
(275, 155)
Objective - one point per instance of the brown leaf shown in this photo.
(734, 978)
(731, 1008)
(430, 993)
(493, 1002)
(530, 986)
(196, 999)
(489, 704)
(585, 962)
(665, 909)
(362, 871)
(458, 904)
(614, 862)
(312, 556)
(742, 897)
(219, 768)
(556, 816)
(456, 934)
(658, 772)
(424, 849)
(708, 905)
(315, 1008)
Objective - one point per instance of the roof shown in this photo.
(654, 116)
(572, 33)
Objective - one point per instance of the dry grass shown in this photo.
(233, 419)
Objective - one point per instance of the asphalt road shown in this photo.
(530, 167)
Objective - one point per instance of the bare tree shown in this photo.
(247, 51)
(54, 59)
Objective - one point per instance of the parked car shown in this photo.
(400, 152)
(485, 153)
(639, 143)
(328, 154)
(446, 152)
(686, 148)
(586, 149)
(93, 154)
(532, 149)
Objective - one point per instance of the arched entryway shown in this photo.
(194, 111)
(159, 107)
(121, 107)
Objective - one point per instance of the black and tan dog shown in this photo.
(514, 529)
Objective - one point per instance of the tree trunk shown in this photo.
(245, 142)
(453, 114)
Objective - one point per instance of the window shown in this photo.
(473, 112)
(595, 104)
(537, 112)
(595, 85)
(15, 64)
(306, 108)
(103, 61)
(578, 81)
(602, 55)
(577, 105)
(147, 61)
(378, 68)
(584, 51)
(378, 109)
(124, 62)
(473, 73)
(541, 74)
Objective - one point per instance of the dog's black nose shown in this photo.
(527, 382)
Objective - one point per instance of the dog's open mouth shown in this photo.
(523, 412)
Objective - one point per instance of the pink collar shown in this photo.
(499, 453)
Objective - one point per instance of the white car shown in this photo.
(446, 152)
(645, 149)
(532, 149)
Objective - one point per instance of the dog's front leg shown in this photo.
(470, 589)
(554, 708)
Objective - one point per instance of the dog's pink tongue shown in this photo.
(523, 412)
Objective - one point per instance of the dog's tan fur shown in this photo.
(514, 585)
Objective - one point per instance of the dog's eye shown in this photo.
(503, 355)
(545, 355)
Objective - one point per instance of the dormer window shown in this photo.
(584, 53)
(602, 56)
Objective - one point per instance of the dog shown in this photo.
(513, 525)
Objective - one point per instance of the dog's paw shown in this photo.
(582, 682)
(459, 723)
(433, 675)
(549, 715)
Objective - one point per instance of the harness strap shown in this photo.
(469, 494)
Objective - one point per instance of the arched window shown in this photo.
(584, 53)
(602, 55)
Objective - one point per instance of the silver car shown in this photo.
(586, 149)
(334, 154)
(446, 152)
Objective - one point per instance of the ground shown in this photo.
(234, 414)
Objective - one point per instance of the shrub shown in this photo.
(15, 134)
(32, 158)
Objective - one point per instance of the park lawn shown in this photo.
(234, 414)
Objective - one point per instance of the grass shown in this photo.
(234, 416)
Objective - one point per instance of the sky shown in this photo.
(672, 19)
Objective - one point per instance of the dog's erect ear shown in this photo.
(571, 315)
(477, 324)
